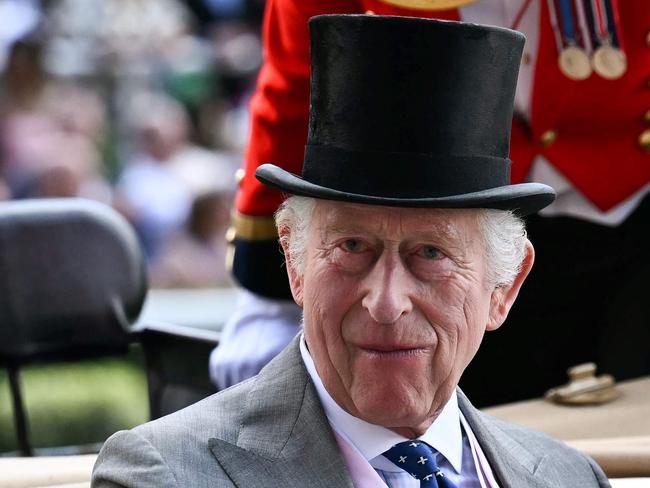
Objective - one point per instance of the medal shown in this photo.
(574, 63)
(570, 39)
(428, 4)
(609, 62)
(608, 59)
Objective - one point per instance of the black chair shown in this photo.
(72, 285)
(176, 358)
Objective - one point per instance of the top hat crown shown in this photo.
(411, 112)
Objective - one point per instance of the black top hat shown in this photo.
(411, 112)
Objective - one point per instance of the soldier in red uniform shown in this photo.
(582, 125)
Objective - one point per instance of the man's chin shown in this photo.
(407, 424)
(388, 409)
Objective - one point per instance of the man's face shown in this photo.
(395, 304)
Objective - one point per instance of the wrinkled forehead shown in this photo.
(460, 225)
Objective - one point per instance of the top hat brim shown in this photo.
(522, 198)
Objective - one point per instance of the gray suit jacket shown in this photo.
(271, 431)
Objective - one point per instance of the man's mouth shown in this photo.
(388, 351)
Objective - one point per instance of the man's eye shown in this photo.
(430, 252)
(354, 245)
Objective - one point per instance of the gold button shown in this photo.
(646, 117)
(644, 140)
(526, 58)
(548, 138)
(647, 39)
(239, 176)
(370, 12)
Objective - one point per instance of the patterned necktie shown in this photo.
(419, 460)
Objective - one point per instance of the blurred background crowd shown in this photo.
(141, 104)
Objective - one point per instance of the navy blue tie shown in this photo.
(419, 460)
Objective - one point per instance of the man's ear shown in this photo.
(295, 278)
(503, 297)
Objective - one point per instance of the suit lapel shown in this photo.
(285, 438)
(513, 464)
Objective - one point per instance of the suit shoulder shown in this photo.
(557, 455)
(120, 454)
(218, 415)
(531, 439)
(174, 450)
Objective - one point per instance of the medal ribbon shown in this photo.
(583, 26)
(614, 23)
(569, 34)
(600, 20)
(606, 22)
(568, 31)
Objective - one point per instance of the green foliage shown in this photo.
(77, 403)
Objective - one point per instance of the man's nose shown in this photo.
(388, 287)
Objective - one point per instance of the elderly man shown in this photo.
(403, 244)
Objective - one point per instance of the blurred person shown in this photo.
(584, 132)
(147, 191)
(157, 186)
(238, 54)
(24, 79)
(57, 181)
(19, 18)
(51, 130)
(189, 73)
(24, 120)
(196, 256)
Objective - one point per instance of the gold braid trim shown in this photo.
(252, 228)
(428, 4)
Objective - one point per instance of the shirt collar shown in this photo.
(372, 440)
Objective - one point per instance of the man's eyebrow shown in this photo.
(343, 228)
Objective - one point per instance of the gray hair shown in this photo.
(504, 235)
